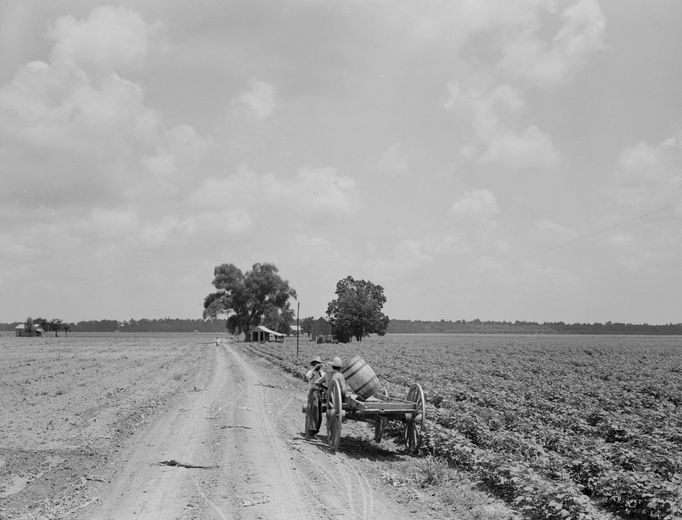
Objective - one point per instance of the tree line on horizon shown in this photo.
(394, 326)
(243, 300)
(529, 327)
(260, 296)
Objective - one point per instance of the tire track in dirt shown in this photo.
(144, 489)
(243, 422)
(330, 482)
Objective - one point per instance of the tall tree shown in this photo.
(29, 326)
(245, 298)
(356, 312)
(278, 319)
(307, 325)
(42, 323)
(55, 325)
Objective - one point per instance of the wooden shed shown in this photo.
(21, 331)
(320, 327)
(262, 334)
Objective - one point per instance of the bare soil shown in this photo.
(199, 433)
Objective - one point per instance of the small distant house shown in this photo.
(21, 331)
(295, 329)
(262, 334)
(320, 327)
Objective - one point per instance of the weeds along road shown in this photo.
(233, 448)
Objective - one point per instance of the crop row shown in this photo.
(557, 429)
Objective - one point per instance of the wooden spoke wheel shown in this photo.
(414, 422)
(380, 423)
(313, 416)
(334, 415)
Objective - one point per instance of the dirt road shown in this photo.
(233, 448)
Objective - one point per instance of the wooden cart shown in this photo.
(376, 409)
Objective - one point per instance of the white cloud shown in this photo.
(410, 254)
(394, 160)
(518, 57)
(75, 125)
(396, 262)
(492, 114)
(106, 224)
(260, 98)
(532, 148)
(490, 110)
(318, 192)
(476, 204)
(621, 239)
(540, 64)
(647, 175)
(225, 222)
(642, 158)
(110, 39)
(556, 230)
(323, 191)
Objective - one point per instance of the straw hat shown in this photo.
(317, 360)
(336, 362)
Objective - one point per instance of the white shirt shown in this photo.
(313, 375)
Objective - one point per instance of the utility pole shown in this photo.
(298, 329)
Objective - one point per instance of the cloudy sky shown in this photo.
(477, 158)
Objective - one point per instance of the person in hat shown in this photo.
(336, 375)
(314, 376)
(315, 372)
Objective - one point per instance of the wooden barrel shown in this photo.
(361, 378)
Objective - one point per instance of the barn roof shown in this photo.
(265, 329)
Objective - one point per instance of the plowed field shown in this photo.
(559, 426)
(152, 426)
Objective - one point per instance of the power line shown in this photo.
(573, 241)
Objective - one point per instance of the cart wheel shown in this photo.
(334, 415)
(414, 422)
(379, 424)
(313, 414)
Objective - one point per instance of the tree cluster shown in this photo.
(527, 327)
(55, 325)
(357, 310)
(247, 299)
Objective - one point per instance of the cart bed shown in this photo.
(380, 404)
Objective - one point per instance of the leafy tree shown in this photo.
(29, 326)
(307, 325)
(42, 323)
(246, 298)
(55, 325)
(357, 310)
(279, 320)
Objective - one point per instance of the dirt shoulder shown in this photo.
(237, 450)
(70, 407)
(223, 439)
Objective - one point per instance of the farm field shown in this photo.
(118, 426)
(68, 406)
(580, 427)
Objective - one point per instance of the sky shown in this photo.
(476, 158)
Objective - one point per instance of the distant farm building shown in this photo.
(295, 329)
(321, 328)
(262, 334)
(21, 331)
